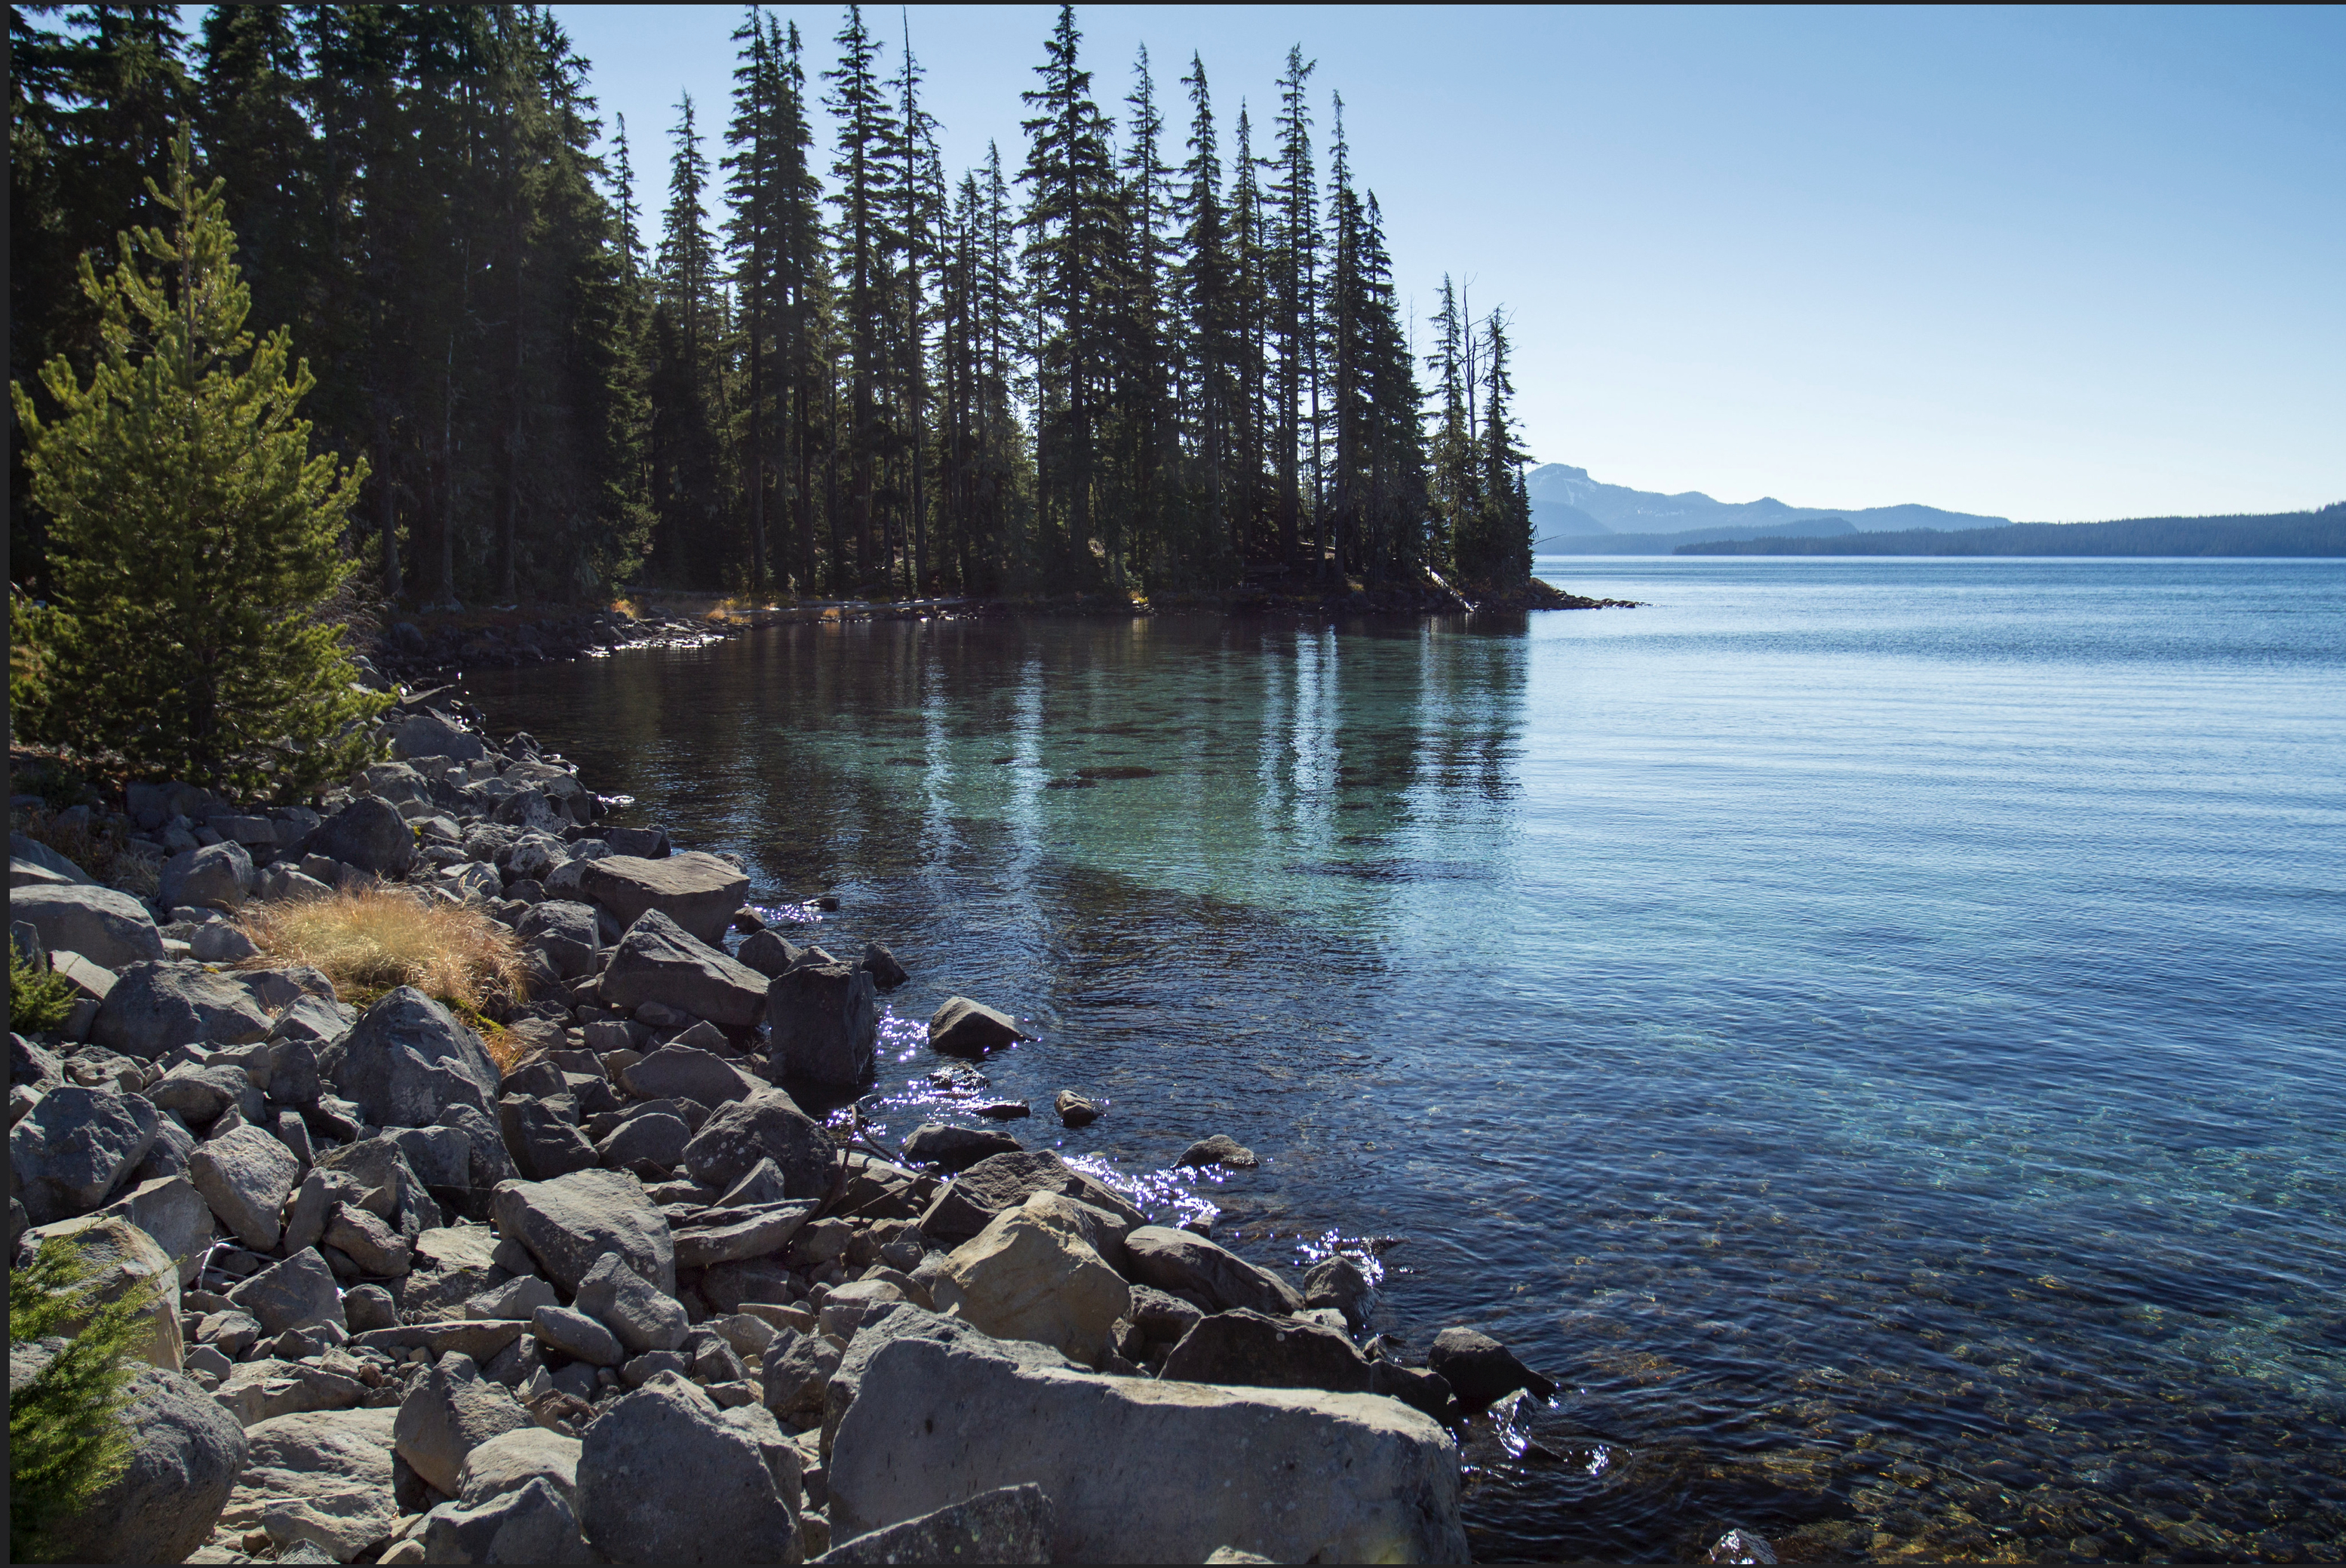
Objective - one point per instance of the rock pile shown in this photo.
(625, 1300)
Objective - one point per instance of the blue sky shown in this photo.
(2046, 264)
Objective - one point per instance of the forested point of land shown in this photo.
(2278, 534)
(1130, 357)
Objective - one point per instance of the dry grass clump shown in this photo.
(372, 939)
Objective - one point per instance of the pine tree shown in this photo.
(65, 1439)
(195, 538)
(1294, 242)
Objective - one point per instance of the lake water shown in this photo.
(1870, 1029)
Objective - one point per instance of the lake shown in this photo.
(1870, 1029)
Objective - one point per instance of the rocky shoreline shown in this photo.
(609, 1293)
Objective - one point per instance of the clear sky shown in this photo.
(2044, 264)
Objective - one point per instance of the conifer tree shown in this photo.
(195, 537)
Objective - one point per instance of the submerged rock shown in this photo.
(965, 1028)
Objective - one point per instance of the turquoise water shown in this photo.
(1869, 1028)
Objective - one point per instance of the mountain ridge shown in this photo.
(1567, 505)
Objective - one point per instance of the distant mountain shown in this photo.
(1568, 504)
(1663, 543)
(2279, 534)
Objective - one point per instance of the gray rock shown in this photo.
(1251, 1349)
(565, 932)
(120, 1261)
(451, 1411)
(269, 1387)
(664, 1476)
(770, 953)
(103, 924)
(679, 1071)
(1480, 1369)
(1742, 1546)
(965, 1028)
(532, 1523)
(441, 1156)
(882, 966)
(368, 1307)
(294, 1078)
(1074, 1110)
(277, 989)
(1142, 1471)
(168, 1155)
(955, 1149)
(767, 1124)
(155, 1006)
(1176, 1261)
(999, 1182)
(741, 1233)
(1416, 1387)
(517, 1298)
(532, 812)
(1008, 1524)
(648, 843)
(796, 1370)
(489, 1161)
(658, 960)
(1219, 1150)
(221, 943)
(74, 1147)
(246, 1176)
(368, 833)
(577, 1336)
(313, 1021)
(1162, 1316)
(482, 1341)
(762, 1186)
(699, 891)
(1339, 1282)
(293, 1294)
(511, 1460)
(544, 1137)
(904, 1320)
(34, 1066)
(318, 1479)
(644, 1318)
(656, 1141)
(195, 1095)
(169, 1209)
(570, 1223)
(22, 846)
(429, 735)
(407, 1057)
(825, 1019)
(217, 876)
(184, 1456)
(369, 1242)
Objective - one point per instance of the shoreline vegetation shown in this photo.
(557, 1256)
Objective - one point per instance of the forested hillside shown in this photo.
(2278, 534)
(1155, 349)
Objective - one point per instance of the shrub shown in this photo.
(66, 1440)
(369, 941)
(39, 998)
(195, 543)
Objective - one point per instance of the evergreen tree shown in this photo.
(195, 538)
(66, 1438)
(1294, 253)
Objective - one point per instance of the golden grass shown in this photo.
(372, 939)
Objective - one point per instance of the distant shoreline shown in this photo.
(2286, 535)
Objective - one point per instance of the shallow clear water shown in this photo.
(1869, 1028)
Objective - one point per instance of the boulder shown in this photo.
(484, 1342)
(216, 876)
(221, 943)
(74, 1147)
(440, 1158)
(575, 1335)
(1219, 1150)
(906, 1321)
(1180, 1263)
(1009, 1524)
(197, 1095)
(531, 1524)
(263, 1390)
(323, 1477)
(118, 1259)
(368, 833)
(570, 1223)
(313, 1021)
(408, 1058)
(1254, 1350)
(645, 1145)
(366, 1307)
(1480, 1369)
(429, 735)
(965, 1028)
(293, 1294)
(107, 926)
(246, 1176)
(517, 1298)
(999, 1182)
(680, 1072)
(739, 1233)
(659, 962)
(825, 1019)
(1074, 1110)
(155, 1006)
(882, 966)
(511, 1460)
(1144, 1470)
(1161, 1316)
(796, 1370)
(490, 1162)
(449, 1412)
(94, 981)
(770, 953)
(644, 1318)
(664, 1476)
(1031, 1274)
(565, 932)
(544, 1137)
(767, 1124)
(762, 1186)
(23, 846)
(1341, 1283)
(368, 1241)
(277, 989)
(182, 1462)
(955, 1149)
(174, 1213)
(698, 892)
